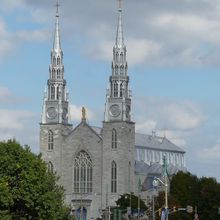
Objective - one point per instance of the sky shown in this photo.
(173, 54)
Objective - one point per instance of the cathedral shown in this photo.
(98, 164)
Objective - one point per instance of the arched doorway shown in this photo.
(81, 214)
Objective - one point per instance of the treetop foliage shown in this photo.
(187, 189)
(27, 189)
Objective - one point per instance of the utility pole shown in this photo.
(166, 186)
(153, 208)
(139, 191)
(165, 183)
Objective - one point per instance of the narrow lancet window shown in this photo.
(58, 74)
(114, 139)
(58, 60)
(50, 167)
(52, 94)
(115, 89)
(114, 177)
(50, 140)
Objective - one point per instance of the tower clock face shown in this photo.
(51, 112)
(114, 110)
(64, 114)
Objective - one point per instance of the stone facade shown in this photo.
(95, 165)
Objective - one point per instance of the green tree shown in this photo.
(187, 189)
(124, 201)
(27, 189)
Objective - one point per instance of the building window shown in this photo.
(50, 167)
(114, 177)
(58, 60)
(114, 139)
(121, 57)
(50, 140)
(53, 74)
(115, 89)
(121, 89)
(58, 92)
(82, 177)
(52, 95)
(58, 74)
(116, 70)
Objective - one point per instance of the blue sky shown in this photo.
(174, 63)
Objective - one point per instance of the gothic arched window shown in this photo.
(58, 74)
(115, 89)
(52, 94)
(121, 57)
(116, 70)
(82, 169)
(50, 167)
(50, 140)
(114, 139)
(117, 57)
(58, 92)
(113, 177)
(58, 60)
(121, 89)
(53, 74)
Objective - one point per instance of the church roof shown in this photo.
(156, 143)
(155, 168)
(150, 141)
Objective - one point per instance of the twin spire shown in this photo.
(56, 43)
(118, 102)
(119, 34)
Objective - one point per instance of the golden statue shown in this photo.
(83, 114)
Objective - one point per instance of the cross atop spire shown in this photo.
(119, 34)
(57, 6)
(57, 45)
(119, 5)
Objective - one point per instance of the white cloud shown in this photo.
(142, 51)
(35, 35)
(5, 94)
(6, 97)
(6, 46)
(183, 115)
(211, 153)
(13, 119)
(76, 113)
(9, 5)
(146, 126)
(177, 120)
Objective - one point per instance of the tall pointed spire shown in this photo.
(56, 103)
(57, 44)
(119, 35)
(118, 102)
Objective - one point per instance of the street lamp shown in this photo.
(153, 204)
(156, 182)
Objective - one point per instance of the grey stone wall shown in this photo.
(123, 156)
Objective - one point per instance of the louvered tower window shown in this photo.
(115, 89)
